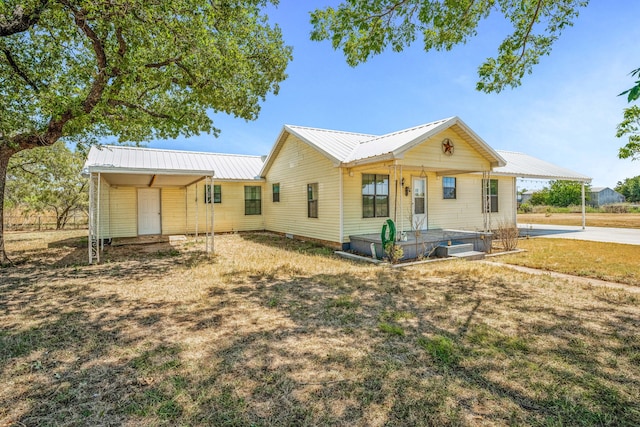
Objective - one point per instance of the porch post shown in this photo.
(341, 208)
(584, 215)
(210, 244)
(94, 218)
(197, 211)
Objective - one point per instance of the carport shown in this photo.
(520, 165)
(147, 171)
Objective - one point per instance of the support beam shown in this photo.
(153, 179)
(584, 215)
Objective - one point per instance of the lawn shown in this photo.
(598, 260)
(276, 332)
(616, 220)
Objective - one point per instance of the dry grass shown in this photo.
(276, 332)
(616, 220)
(604, 261)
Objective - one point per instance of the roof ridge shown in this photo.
(386, 135)
(169, 150)
(329, 130)
(512, 152)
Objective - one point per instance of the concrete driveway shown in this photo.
(628, 236)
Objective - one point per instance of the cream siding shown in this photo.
(429, 154)
(465, 211)
(124, 212)
(354, 223)
(228, 215)
(462, 213)
(173, 210)
(296, 166)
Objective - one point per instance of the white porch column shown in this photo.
(584, 216)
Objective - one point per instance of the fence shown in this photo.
(41, 222)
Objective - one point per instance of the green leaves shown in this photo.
(138, 69)
(633, 93)
(362, 28)
(630, 127)
(47, 179)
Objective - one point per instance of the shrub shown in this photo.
(616, 208)
(394, 252)
(525, 208)
(507, 234)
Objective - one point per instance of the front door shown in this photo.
(419, 204)
(148, 211)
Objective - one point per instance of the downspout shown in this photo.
(584, 215)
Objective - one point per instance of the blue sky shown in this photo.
(566, 112)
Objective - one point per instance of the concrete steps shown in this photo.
(469, 255)
(463, 250)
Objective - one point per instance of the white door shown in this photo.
(148, 211)
(419, 204)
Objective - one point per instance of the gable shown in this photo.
(429, 154)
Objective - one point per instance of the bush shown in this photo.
(507, 234)
(525, 208)
(616, 208)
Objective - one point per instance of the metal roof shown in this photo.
(337, 144)
(391, 142)
(131, 160)
(348, 148)
(525, 166)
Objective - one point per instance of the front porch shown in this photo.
(422, 243)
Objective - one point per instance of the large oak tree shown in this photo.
(80, 70)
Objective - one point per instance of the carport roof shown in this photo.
(523, 165)
(136, 160)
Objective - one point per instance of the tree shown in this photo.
(630, 189)
(79, 70)
(565, 193)
(48, 179)
(361, 28)
(540, 197)
(630, 125)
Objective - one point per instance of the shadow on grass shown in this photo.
(308, 349)
(282, 242)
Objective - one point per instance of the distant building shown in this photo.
(604, 196)
(525, 196)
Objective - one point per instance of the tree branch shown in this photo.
(528, 32)
(163, 63)
(117, 102)
(19, 71)
(21, 21)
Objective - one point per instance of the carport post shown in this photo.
(584, 215)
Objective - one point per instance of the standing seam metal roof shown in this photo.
(525, 166)
(124, 159)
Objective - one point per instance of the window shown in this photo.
(312, 200)
(375, 195)
(448, 188)
(276, 192)
(252, 200)
(490, 189)
(217, 194)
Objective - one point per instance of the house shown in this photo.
(604, 196)
(315, 183)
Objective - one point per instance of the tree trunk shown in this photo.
(5, 155)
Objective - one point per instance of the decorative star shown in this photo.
(447, 147)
